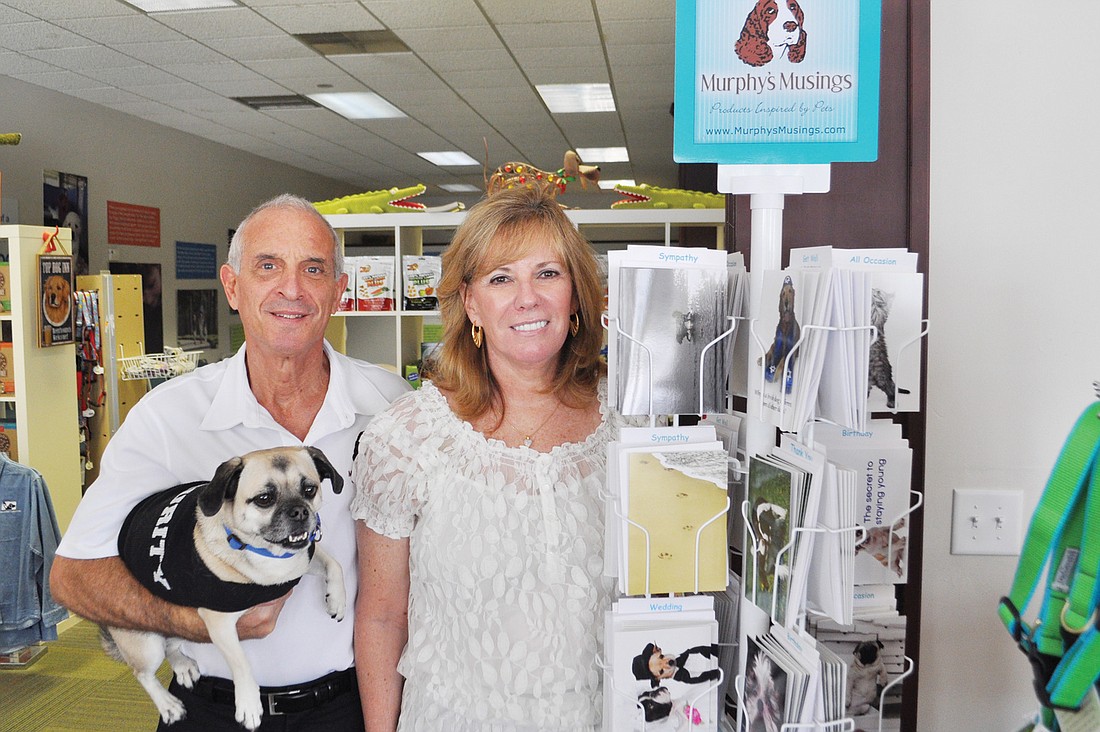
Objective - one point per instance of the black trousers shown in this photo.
(342, 714)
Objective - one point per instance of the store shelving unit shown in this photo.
(45, 401)
(393, 338)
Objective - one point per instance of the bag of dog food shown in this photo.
(374, 283)
(422, 276)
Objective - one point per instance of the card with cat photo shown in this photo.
(893, 371)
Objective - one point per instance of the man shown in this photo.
(286, 386)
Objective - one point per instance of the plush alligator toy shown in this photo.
(394, 200)
(646, 196)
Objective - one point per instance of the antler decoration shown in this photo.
(511, 175)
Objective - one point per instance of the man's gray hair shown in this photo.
(294, 203)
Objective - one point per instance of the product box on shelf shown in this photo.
(374, 283)
(8, 441)
(7, 369)
(421, 276)
(5, 288)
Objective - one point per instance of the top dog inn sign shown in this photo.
(777, 81)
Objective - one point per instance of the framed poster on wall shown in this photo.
(794, 82)
(55, 293)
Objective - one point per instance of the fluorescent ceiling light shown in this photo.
(460, 188)
(603, 154)
(561, 98)
(444, 158)
(168, 6)
(609, 184)
(358, 105)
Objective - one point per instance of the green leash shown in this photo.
(1063, 646)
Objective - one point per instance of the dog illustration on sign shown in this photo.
(772, 30)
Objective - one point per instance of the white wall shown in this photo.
(1015, 318)
(202, 189)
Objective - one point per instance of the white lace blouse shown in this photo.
(507, 595)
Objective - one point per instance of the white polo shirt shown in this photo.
(181, 431)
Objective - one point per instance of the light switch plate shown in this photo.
(987, 522)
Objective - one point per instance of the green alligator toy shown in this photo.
(646, 196)
(395, 200)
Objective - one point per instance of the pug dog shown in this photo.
(243, 538)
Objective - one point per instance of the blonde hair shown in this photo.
(498, 230)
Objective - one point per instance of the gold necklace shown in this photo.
(528, 438)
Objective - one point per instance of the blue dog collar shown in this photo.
(236, 543)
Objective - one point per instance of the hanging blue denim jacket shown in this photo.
(28, 539)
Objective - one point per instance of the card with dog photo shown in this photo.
(883, 463)
(663, 671)
(784, 362)
(55, 298)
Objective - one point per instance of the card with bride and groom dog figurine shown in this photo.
(882, 461)
(662, 670)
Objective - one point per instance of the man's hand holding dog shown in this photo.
(260, 620)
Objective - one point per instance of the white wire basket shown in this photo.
(173, 362)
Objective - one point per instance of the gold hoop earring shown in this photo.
(477, 333)
(574, 324)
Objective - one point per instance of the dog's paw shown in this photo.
(171, 709)
(336, 602)
(187, 672)
(249, 710)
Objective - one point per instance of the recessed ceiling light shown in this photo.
(352, 43)
(448, 157)
(603, 154)
(285, 101)
(460, 188)
(609, 184)
(358, 105)
(560, 98)
(168, 6)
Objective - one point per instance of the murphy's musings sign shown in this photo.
(777, 81)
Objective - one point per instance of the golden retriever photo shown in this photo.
(57, 299)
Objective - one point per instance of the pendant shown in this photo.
(527, 442)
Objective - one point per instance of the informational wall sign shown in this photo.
(777, 81)
(134, 225)
(196, 261)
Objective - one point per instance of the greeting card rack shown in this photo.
(767, 186)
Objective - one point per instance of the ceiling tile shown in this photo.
(327, 17)
(219, 23)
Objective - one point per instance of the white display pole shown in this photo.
(766, 185)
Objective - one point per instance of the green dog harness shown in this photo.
(1063, 538)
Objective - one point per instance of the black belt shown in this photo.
(283, 699)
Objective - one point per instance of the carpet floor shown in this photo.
(76, 687)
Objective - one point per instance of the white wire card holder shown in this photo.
(689, 707)
(173, 362)
(611, 324)
(616, 507)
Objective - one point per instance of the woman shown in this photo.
(481, 532)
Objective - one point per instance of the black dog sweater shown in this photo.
(157, 545)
